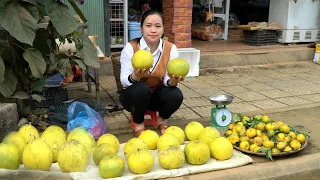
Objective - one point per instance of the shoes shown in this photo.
(138, 132)
(163, 127)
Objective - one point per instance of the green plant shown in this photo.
(32, 53)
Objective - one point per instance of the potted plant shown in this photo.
(29, 51)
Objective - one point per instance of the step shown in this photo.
(224, 59)
(211, 60)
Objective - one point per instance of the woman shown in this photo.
(150, 89)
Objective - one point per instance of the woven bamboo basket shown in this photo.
(273, 155)
(115, 58)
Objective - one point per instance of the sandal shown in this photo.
(163, 127)
(138, 132)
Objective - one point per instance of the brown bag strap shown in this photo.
(166, 51)
(135, 46)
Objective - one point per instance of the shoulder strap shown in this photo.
(168, 45)
(135, 46)
(166, 50)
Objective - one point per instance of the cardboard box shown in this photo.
(182, 12)
(178, 28)
(178, 20)
(177, 3)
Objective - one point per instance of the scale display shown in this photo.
(220, 115)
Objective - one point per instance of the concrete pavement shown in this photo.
(289, 92)
(255, 88)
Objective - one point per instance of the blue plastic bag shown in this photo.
(81, 115)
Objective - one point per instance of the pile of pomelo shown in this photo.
(260, 134)
(72, 151)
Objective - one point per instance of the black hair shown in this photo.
(151, 12)
(145, 15)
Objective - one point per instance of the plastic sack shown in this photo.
(81, 115)
(316, 58)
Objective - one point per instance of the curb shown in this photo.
(206, 120)
(302, 167)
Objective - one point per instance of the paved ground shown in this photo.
(290, 93)
(261, 88)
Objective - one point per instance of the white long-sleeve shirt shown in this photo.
(126, 56)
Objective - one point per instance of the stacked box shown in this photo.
(177, 21)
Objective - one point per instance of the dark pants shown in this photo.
(139, 97)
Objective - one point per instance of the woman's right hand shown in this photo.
(138, 74)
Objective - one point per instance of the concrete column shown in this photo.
(8, 118)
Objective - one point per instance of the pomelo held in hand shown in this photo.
(142, 59)
(178, 67)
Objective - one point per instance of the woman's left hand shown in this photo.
(175, 80)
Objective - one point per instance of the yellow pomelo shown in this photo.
(103, 150)
(84, 137)
(140, 162)
(197, 152)
(55, 141)
(142, 59)
(10, 156)
(37, 155)
(29, 132)
(134, 144)
(208, 134)
(15, 138)
(171, 157)
(75, 131)
(54, 129)
(150, 137)
(192, 130)
(111, 166)
(167, 140)
(178, 67)
(72, 157)
(110, 139)
(221, 148)
(177, 132)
